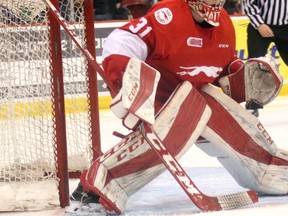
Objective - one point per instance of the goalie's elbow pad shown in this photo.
(259, 80)
(135, 101)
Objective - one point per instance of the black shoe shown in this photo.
(84, 197)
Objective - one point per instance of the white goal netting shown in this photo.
(27, 122)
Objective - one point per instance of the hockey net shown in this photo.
(39, 116)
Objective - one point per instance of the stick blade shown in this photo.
(226, 202)
(237, 200)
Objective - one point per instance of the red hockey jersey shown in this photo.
(168, 39)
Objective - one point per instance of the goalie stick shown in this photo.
(202, 201)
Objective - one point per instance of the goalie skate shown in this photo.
(77, 208)
(84, 203)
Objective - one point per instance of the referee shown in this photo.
(268, 23)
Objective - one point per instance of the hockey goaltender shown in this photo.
(164, 71)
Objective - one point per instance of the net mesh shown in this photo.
(27, 135)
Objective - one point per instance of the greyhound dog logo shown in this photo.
(210, 71)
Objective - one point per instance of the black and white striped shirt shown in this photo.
(270, 12)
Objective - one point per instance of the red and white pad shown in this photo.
(110, 175)
(259, 80)
(243, 146)
(131, 164)
(136, 99)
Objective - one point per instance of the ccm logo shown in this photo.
(133, 92)
(121, 154)
(265, 134)
(129, 151)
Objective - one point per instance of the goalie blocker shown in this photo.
(250, 156)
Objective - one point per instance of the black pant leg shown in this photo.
(281, 41)
(256, 44)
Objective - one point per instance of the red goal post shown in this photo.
(49, 117)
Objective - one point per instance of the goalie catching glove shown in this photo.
(258, 81)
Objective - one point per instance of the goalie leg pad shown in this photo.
(244, 147)
(112, 176)
(276, 175)
(132, 163)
